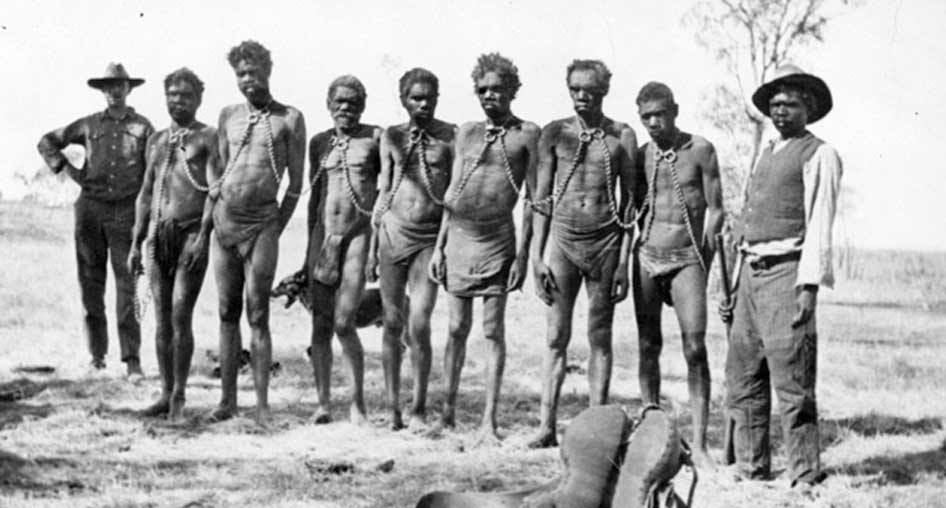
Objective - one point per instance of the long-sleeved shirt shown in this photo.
(114, 151)
(822, 181)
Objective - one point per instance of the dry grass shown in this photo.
(78, 442)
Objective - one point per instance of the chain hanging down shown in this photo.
(253, 117)
(418, 139)
(493, 133)
(341, 145)
(670, 157)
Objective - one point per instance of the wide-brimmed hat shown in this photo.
(114, 72)
(793, 75)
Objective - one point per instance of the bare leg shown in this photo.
(320, 352)
(689, 300)
(461, 320)
(423, 298)
(347, 299)
(647, 307)
(187, 286)
(393, 283)
(228, 271)
(558, 333)
(600, 328)
(261, 270)
(494, 331)
(161, 288)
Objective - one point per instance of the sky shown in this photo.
(885, 62)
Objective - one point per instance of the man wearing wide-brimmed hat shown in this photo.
(784, 236)
(114, 141)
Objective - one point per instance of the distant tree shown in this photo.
(751, 38)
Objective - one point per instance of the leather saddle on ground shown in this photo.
(608, 462)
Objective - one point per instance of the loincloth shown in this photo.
(666, 262)
(399, 242)
(663, 264)
(327, 264)
(589, 249)
(237, 227)
(170, 235)
(478, 256)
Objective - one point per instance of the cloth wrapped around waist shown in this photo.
(588, 247)
(327, 264)
(478, 256)
(400, 241)
(237, 226)
(168, 241)
(663, 262)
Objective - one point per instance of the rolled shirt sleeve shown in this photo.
(822, 179)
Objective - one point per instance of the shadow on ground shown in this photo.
(905, 469)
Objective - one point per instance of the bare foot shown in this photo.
(487, 437)
(263, 416)
(546, 438)
(321, 416)
(397, 423)
(417, 424)
(220, 414)
(357, 415)
(703, 461)
(176, 410)
(448, 420)
(159, 408)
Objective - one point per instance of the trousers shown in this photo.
(103, 230)
(766, 352)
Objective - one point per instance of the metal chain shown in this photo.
(341, 146)
(609, 181)
(426, 174)
(670, 157)
(157, 200)
(492, 134)
(177, 141)
(418, 137)
(252, 118)
(651, 199)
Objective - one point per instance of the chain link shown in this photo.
(341, 145)
(252, 118)
(492, 134)
(609, 181)
(418, 138)
(670, 157)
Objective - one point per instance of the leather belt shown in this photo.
(766, 262)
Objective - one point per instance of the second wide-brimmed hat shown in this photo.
(114, 72)
(790, 74)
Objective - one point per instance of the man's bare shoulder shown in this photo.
(701, 145)
(530, 128)
(555, 127)
(321, 139)
(440, 127)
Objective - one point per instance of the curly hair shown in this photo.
(185, 75)
(655, 91)
(347, 81)
(502, 66)
(418, 75)
(597, 66)
(251, 51)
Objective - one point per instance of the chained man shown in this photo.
(784, 235)
(260, 141)
(344, 168)
(682, 206)
(415, 169)
(476, 253)
(170, 210)
(583, 162)
(110, 178)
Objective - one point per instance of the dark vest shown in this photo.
(775, 203)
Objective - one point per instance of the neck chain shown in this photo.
(341, 145)
(254, 116)
(670, 157)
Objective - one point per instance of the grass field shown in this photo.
(73, 440)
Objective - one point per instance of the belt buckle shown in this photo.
(760, 263)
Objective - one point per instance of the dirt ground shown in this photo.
(72, 439)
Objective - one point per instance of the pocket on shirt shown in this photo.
(134, 139)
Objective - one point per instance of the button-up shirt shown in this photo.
(114, 151)
(822, 181)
